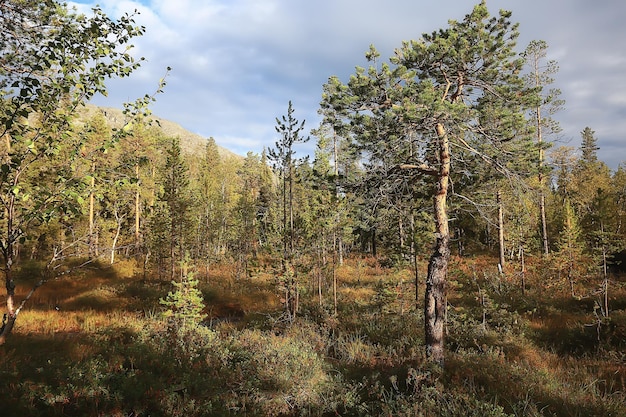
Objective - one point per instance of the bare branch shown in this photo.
(423, 168)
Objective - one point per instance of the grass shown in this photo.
(94, 343)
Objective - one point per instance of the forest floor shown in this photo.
(95, 344)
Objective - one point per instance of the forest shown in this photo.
(442, 252)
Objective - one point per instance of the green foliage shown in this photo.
(56, 60)
(184, 305)
(186, 334)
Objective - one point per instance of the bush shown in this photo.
(272, 374)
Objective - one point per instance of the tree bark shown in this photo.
(435, 295)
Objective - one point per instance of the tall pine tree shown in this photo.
(427, 107)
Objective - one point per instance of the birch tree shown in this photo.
(52, 60)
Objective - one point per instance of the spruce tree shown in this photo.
(178, 200)
(589, 147)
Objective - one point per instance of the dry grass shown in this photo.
(509, 354)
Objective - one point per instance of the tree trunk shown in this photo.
(544, 224)
(8, 253)
(373, 237)
(500, 229)
(118, 230)
(414, 256)
(435, 295)
(9, 319)
(542, 197)
(92, 244)
(522, 268)
(401, 234)
(137, 208)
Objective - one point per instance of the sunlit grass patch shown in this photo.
(361, 296)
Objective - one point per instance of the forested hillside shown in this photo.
(438, 254)
(115, 118)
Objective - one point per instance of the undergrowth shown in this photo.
(99, 344)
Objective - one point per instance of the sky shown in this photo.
(236, 64)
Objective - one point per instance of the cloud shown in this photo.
(237, 63)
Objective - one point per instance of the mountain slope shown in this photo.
(190, 142)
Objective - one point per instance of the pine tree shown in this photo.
(591, 183)
(184, 314)
(427, 106)
(283, 156)
(185, 305)
(209, 181)
(246, 237)
(540, 77)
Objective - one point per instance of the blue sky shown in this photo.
(236, 64)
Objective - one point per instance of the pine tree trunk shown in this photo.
(500, 229)
(542, 197)
(544, 224)
(435, 295)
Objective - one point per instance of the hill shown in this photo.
(190, 142)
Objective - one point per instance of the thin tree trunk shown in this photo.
(137, 207)
(401, 234)
(435, 295)
(373, 242)
(542, 198)
(116, 237)
(92, 245)
(500, 229)
(544, 224)
(9, 319)
(285, 234)
(291, 227)
(334, 289)
(337, 236)
(415, 263)
(605, 276)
